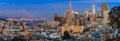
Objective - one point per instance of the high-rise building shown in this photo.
(70, 11)
(93, 10)
(69, 14)
(93, 13)
(59, 18)
(105, 17)
(104, 8)
(82, 20)
(56, 17)
(76, 18)
(70, 22)
(76, 15)
(86, 13)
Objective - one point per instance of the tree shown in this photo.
(66, 35)
(71, 31)
(114, 16)
(18, 39)
(1, 39)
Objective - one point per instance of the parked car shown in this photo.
(55, 35)
(46, 34)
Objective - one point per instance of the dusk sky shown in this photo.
(46, 8)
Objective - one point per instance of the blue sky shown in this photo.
(46, 8)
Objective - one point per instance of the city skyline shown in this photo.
(47, 8)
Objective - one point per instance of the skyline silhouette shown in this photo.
(47, 8)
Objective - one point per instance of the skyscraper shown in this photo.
(59, 18)
(86, 13)
(69, 13)
(76, 18)
(76, 15)
(56, 18)
(93, 10)
(104, 8)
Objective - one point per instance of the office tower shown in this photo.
(59, 18)
(55, 15)
(69, 14)
(76, 15)
(93, 10)
(70, 10)
(86, 13)
(68, 19)
(104, 8)
(106, 16)
(76, 18)
(56, 18)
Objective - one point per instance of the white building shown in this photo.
(86, 13)
(93, 9)
(106, 16)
